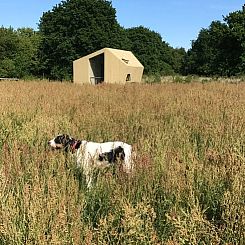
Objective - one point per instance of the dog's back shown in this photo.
(108, 152)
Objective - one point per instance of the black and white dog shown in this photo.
(91, 155)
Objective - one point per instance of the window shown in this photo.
(126, 61)
(128, 77)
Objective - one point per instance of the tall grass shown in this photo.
(188, 185)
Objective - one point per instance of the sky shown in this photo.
(177, 21)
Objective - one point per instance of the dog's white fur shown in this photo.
(88, 153)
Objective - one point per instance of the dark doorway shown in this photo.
(97, 68)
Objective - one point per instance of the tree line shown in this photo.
(75, 28)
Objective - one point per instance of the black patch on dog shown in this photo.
(66, 141)
(113, 156)
(62, 139)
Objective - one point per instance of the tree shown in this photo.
(8, 49)
(177, 58)
(26, 58)
(219, 49)
(18, 52)
(75, 28)
(150, 49)
(236, 25)
(203, 56)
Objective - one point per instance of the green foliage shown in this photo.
(18, 52)
(7, 68)
(8, 43)
(150, 49)
(26, 59)
(75, 28)
(177, 58)
(153, 78)
(182, 79)
(236, 23)
(220, 49)
(8, 49)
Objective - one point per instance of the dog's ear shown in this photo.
(66, 141)
(66, 138)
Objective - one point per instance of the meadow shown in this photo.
(188, 186)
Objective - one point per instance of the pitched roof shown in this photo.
(127, 57)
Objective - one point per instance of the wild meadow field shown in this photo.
(188, 185)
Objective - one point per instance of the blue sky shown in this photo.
(178, 22)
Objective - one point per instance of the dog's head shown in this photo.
(64, 141)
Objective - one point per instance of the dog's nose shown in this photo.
(49, 143)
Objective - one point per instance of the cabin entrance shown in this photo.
(97, 69)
